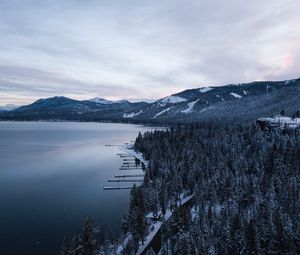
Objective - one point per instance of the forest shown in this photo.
(246, 187)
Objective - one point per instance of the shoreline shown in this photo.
(80, 121)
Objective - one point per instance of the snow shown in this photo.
(245, 92)
(8, 107)
(288, 81)
(205, 89)
(194, 213)
(154, 226)
(170, 100)
(98, 100)
(121, 101)
(217, 208)
(128, 148)
(190, 108)
(207, 109)
(157, 225)
(282, 122)
(132, 115)
(121, 247)
(235, 95)
(222, 99)
(162, 112)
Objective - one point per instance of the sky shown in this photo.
(140, 49)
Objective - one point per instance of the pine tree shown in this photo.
(88, 242)
(76, 245)
(66, 248)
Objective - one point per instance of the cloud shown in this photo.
(142, 49)
(39, 83)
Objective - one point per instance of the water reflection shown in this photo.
(51, 178)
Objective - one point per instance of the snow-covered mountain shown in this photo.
(64, 108)
(99, 100)
(222, 101)
(169, 100)
(8, 107)
(230, 102)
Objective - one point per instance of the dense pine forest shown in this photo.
(246, 186)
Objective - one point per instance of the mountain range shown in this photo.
(8, 107)
(245, 101)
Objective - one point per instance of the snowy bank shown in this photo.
(156, 225)
(279, 122)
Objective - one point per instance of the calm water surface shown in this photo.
(51, 179)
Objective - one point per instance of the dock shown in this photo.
(131, 168)
(125, 155)
(133, 163)
(129, 175)
(125, 180)
(129, 163)
(116, 188)
(133, 159)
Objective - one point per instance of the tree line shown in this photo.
(246, 184)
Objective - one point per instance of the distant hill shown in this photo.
(246, 101)
(63, 108)
(8, 107)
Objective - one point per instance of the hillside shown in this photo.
(63, 108)
(231, 102)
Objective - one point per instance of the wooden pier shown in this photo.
(125, 155)
(117, 188)
(125, 180)
(133, 165)
(131, 168)
(129, 163)
(129, 175)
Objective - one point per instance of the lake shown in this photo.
(52, 176)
